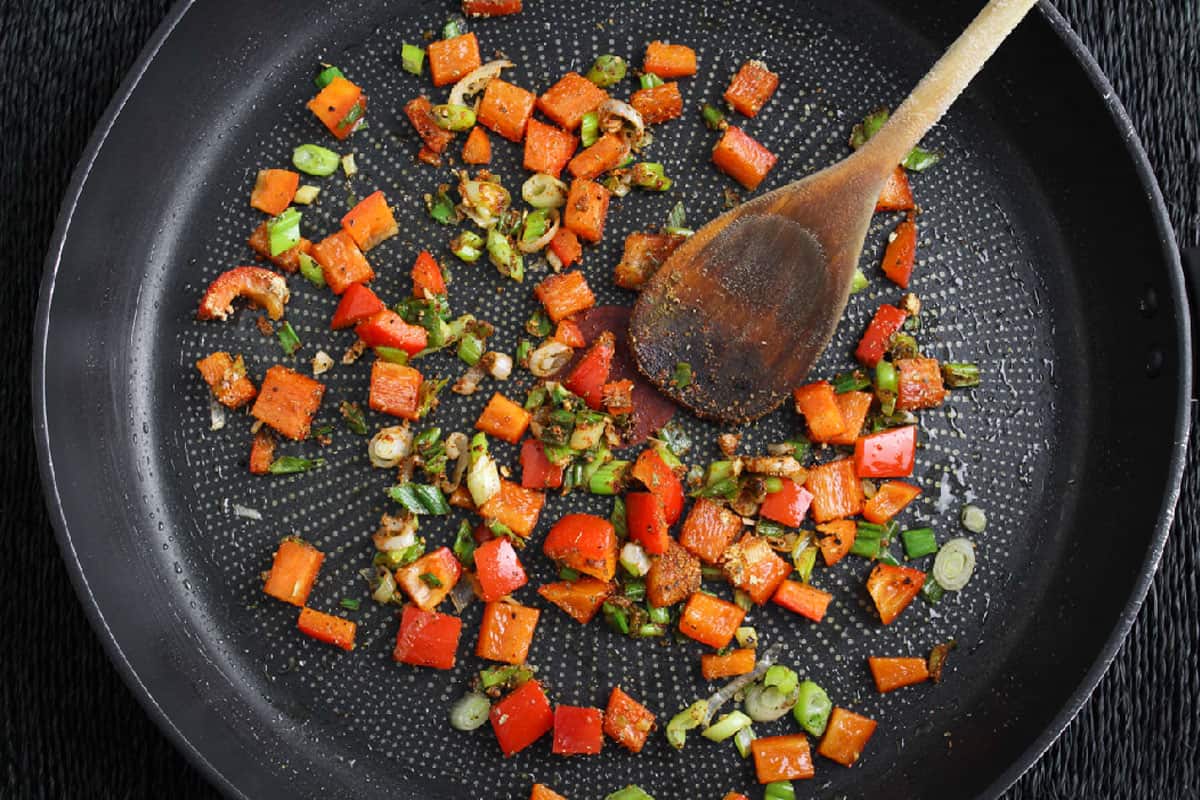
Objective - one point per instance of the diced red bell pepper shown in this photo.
(490, 8)
(782, 758)
(427, 638)
(874, 342)
(846, 736)
(427, 276)
(342, 263)
(357, 304)
(804, 599)
(887, 454)
(506, 632)
(889, 500)
(515, 507)
(647, 522)
(293, 571)
(662, 481)
(435, 138)
(564, 294)
(585, 543)
(617, 397)
(788, 506)
(580, 599)
(262, 287)
(341, 106)
(714, 666)
(388, 329)
(274, 190)
(854, 407)
(395, 389)
(577, 731)
(498, 569)
(569, 333)
(522, 718)
(710, 620)
(752, 566)
(537, 472)
(589, 375)
(226, 377)
(541, 791)
(709, 529)
(428, 580)
(566, 248)
(919, 383)
(835, 539)
(327, 628)
(893, 588)
(895, 673)
(503, 419)
(896, 194)
(901, 252)
(370, 222)
(818, 403)
(836, 490)
(626, 721)
(288, 401)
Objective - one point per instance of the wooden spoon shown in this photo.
(751, 300)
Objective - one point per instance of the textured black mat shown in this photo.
(70, 727)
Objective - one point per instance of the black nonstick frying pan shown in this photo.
(1047, 258)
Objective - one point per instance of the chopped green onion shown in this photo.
(973, 518)
(464, 544)
(854, 381)
(773, 484)
(742, 740)
(306, 195)
(746, 636)
(441, 209)
(284, 231)
(630, 792)
(617, 518)
(684, 721)
(467, 245)
(650, 175)
(350, 604)
(312, 159)
(326, 76)
(711, 572)
(451, 117)
(568, 574)
(635, 591)
(919, 159)
(395, 559)
(714, 118)
(812, 708)
(649, 80)
(919, 542)
(508, 677)
(311, 270)
(885, 556)
(392, 355)
(537, 222)
(419, 498)
(870, 126)
(937, 658)
(742, 600)
(805, 561)
(616, 618)
(287, 465)
(412, 58)
(903, 345)
(524, 348)
(352, 116)
(288, 339)
(660, 616)
(865, 547)
(431, 580)
(353, 414)
(589, 129)
(634, 559)
(455, 26)
(539, 324)
(607, 71)
(960, 374)
(869, 530)
(682, 376)
(649, 631)
(800, 447)
(887, 386)
(931, 590)
(349, 165)
(504, 257)
(608, 479)
(470, 349)
(677, 216)
(471, 710)
(726, 725)
(675, 437)
(954, 564)
(779, 790)
(427, 395)
(782, 678)
(858, 282)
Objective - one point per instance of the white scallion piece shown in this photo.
(954, 564)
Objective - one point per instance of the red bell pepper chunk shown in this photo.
(662, 482)
(887, 454)
(789, 505)
(893, 588)
(874, 342)
(802, 598)
(846, 736)
(585, 543)
(357, 304)
(427, 275)
(498, 569)
(588, 378)
(647, 522)
(626, 721)
(427, 638)
(577, 731)
(327, 628)
(537, 471)
(901, 252)
(262, 287)
(522, 718)
(428, 580)
(388, 329)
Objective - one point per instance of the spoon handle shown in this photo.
(944, 82)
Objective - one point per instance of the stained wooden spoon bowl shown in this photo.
(751, 300)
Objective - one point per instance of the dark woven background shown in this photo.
(70, 727)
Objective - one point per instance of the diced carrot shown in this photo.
(893, 588)
(587, 378)
(506, 109)
(846, 736)
(386, 328)
(752, 566)
(617, 397)
(451, 59)
(370, 222)
(737, 662)
(710, 620)
(490, 8)
(669, 60)
(521, 718)
(274, 190)
(547, 148)
(804, 599)
(261, 287)
(644, 254)
(659, 103)
(288, 401)
(920, 383)
(835, 540)
(889, 500)
(782, 758)
(226, 377)
(293, 572)
(647, 522)
(420, 113)
(478, 148)
(566, 248)
(587, 207)
(854, 407)
(608, 152)
(503, 419)
(288, 260)
(430, 579)
(789, 505)
(567, 101)
(327, 628)
(901, 252)
(742, 158)
(395, 390)
(342, 263)
(817, 403)
(537, 471)
(896, 194)
(262, 452)
(581, 599)
(506, 632)
(568, 333)
(673, 577)
(894, 673)
(626, 721)
(585, 543)
(751, 88)
(341, 106)
(427, 276)
(577, 731)
(540, 792)
(427, 638)
(564, 294)
(358, 303)
(514, 507)
(836, 490)
(709, 529)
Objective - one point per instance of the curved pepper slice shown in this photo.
(261, 287)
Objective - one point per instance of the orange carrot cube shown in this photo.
(506, 632)
(669, 60)
(607, 153)
(896, 194)
(395, 389)
(567, 101)
(644, 254)
(586, 210)
(226, 377)
(503, 419)
(342, 263)
(564, 294)
(547, 148)
(803, 599)
(288, 401)
(451, 59)
(274, 190)
(490, 8)
(293, 572)
(919, 383)
(751, 88)
(262, 452)
(742, 158)
(506, 109)
(540, 791)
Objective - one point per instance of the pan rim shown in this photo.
(181, 739)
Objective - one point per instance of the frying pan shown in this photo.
(1047, 259)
